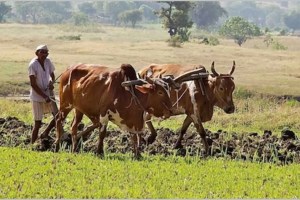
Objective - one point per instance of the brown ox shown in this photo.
(97, 92)
(195, 98)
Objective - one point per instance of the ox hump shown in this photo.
(129, 71)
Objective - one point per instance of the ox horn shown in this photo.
(133, 82)
(213, 69)
(191, 75)
(232, 69)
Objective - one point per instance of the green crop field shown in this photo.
(27, 174)
(262, 76)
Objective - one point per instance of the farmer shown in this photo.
(42, 78)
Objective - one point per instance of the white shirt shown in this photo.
(42, 77)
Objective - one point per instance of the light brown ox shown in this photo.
(96, 91)
(195, 98)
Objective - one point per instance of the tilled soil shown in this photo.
(264, 147)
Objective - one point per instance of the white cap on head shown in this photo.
(42, 47)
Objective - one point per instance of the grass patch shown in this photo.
(252, 115)
(69, 37)
(27, 174)
(90, 28)
(19, 109)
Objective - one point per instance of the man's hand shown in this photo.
(47, 99)
(51, 85)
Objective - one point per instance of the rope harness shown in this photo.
(202, 88)
(134, 98)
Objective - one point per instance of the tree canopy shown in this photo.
(248, 10)
(47, 12)
(207, 13)
(87, 8)
(132, 16)
(114, 8)
(239, 29)
(4, 9)
(175, 18)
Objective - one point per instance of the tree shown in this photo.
(80, 19)
(247, 10)
(292, 20)
(148, 12)
(38, 12)
(206, 13)
(239, 29)
(28, 11)
(132, 16)
(54, 12)
(4, 9)
(175, 18)
(87, 8)
(114, 8)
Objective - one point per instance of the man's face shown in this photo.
(42, 54)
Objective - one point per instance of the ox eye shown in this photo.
(160, 93)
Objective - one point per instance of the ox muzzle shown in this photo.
(229, 109)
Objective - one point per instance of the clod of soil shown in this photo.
(246, 146)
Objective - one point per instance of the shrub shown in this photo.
(292, 103)
(175, 41)
(213, 41)
(184, 34)
(69, 37)
(274, 43)
(268, 40)
(282, 32)
(242, 93)
(278, 46)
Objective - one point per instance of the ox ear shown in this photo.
(144, 88)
